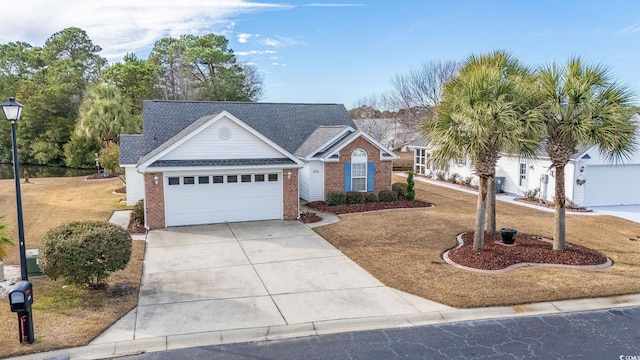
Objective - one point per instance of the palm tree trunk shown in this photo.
(559, 236)
(490, 225)
(478, 238)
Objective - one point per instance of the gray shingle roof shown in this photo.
(222, 162)
(131, 149)
(287, 125)
(318, 138)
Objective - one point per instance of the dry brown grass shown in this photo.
(405, 161)
(49, 202)
(403, 249)
(66, 316)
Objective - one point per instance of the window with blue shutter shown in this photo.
(371, 174)
(347, 176)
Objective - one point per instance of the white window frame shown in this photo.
(522, 174)
(359, 169)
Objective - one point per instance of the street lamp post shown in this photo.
(13, 111)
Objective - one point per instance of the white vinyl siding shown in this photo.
(311, 181)
(135, 185)
(207, 144)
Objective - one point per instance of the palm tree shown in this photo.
(485, 110)
(582, 105)
(105, 114)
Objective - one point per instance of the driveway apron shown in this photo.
(255, 274)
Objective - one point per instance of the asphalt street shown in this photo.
(602, 335)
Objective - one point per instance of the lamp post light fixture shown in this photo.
(13, 111)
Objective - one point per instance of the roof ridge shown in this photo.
(239, 102)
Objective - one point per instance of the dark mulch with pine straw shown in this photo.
(98, 176)
(372, 206)
(308, 217)
(527, 249)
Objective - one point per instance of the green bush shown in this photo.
(137, 213)
(370, 198)
(84, 252)
(354, 197)
(454, 178)
(411, 193)
(400, 189)
(336, 198)
(387, 196)
(5, 242)
(441, 175)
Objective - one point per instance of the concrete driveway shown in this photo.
(200, 279)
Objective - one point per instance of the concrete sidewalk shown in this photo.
(240, 282)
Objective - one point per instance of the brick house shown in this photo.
(212, 162)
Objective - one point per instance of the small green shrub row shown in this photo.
(355, 197)
(137, 213)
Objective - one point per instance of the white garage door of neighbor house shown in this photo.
(191, 200)
(612, 185)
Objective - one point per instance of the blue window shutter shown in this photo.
(347, 176)
(371, 172)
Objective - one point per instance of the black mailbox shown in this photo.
(21, 297)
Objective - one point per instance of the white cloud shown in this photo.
(121, 26)
(281, 41)
(243, 37)
(253, 52)
(630, 29)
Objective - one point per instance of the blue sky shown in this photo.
(338, 51)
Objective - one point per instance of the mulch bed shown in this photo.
(309, 217)
(122, 190)
(135, 228)
(527, 249)
(372, 206)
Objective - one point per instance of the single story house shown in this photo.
(212, 162)
(590, 178)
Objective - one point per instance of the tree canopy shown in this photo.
(74, 100)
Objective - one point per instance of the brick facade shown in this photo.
(290, 194)
(334, 172)
(154, 201)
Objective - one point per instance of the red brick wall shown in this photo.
(154, 201)
(290, 194)
(334, 172)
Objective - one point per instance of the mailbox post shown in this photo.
(20, 300)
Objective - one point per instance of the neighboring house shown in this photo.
(212, 162)
(389, 132)
(590, 179)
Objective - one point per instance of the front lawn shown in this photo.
(403, 249)
(65, 316)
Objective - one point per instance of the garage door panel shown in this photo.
(611, 185)
(225, 202)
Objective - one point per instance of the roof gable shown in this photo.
(222, 137)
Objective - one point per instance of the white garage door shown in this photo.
(210, 199)
(612, 185)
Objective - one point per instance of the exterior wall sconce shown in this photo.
(289, 175)
(155, 179)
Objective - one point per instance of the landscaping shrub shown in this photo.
(441, 175)
(467, 181)
(137, 213)
(84, 252)
(336, 198)
(370, 198)
(411, 193)
(532, 195)
(387, 196)
(354, 197)
(453, 178)
(400, 189)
